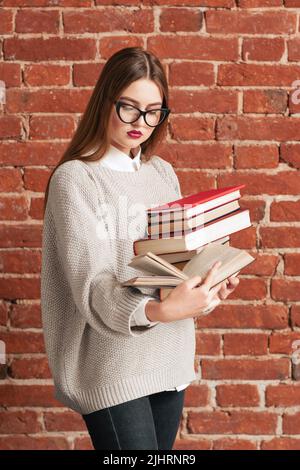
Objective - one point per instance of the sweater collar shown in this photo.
(118, 160)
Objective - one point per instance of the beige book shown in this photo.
(164, 274)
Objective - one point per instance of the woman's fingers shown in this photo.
(208, 281)
(233, 282)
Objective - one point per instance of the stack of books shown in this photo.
(187, 236)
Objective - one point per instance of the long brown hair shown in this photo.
(91, 140)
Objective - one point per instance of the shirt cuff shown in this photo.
(213, 304)
(139, 317)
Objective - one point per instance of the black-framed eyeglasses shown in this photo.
(129, 114)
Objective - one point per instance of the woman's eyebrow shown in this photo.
(134, 101)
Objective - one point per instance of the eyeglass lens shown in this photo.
(130, 114)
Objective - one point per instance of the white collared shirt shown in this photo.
(118, 160)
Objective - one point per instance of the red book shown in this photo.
(199, 202)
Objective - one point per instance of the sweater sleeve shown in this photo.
(84, 251)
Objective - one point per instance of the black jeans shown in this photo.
(150, 422)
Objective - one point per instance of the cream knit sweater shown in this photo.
(97, 358)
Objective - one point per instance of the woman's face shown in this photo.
(147, 96)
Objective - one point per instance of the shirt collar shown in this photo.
(118, 160)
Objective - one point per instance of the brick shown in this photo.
(284, 182)
(18, 235)
(295, 315)
(239, 395)
(36, 210)
(83, 443)
(257, 74)
(285, 290)
(192, 47)
(250, 289)
(256, 156)
(291, 3)
(29, 153)
(192, 182)
(20, 288)
(19, 342)
(197, 395)
(10, 73)
(257, 213)
(253, 128)
(205, 101)
(108, 45)
(63, 421)
(108, 19)
(264, 264)
(19, 422)
(245, 344)
(234, 444)
(276, 237)
(26, 316)
(193, 444)
(259, 3)
(245, 239)
(290, 153)
(288, 211)
(263, 49)
(243, 22)
(28, 395)
(10, 180)
(203, 155)
(291, 423)
(3, 313)
(265, 101)
(51, 127)
(29, 368)
(182, 128)
(283, 395)
(233, 422)
(291, 264)
(246, 316)
(180, 19)
(293, 49)
(191, 73)
(282, 343)
(18, 442)
(245, 369)
(35, 179)
(281, 444)
(6, 21)
(54, 48)
(10, 127)
(47, 75)
(17, 261)
(86, 74)
(47, 101)
(208, 344)
(200, 3)
(37, 21)
(13, 208)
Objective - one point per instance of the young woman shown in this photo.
(119, 356)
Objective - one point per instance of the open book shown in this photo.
(164, 274)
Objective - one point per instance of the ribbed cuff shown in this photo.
(129, 302)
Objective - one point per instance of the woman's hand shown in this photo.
(188, 300)
(228, 287)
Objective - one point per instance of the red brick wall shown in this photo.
(235, 118)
